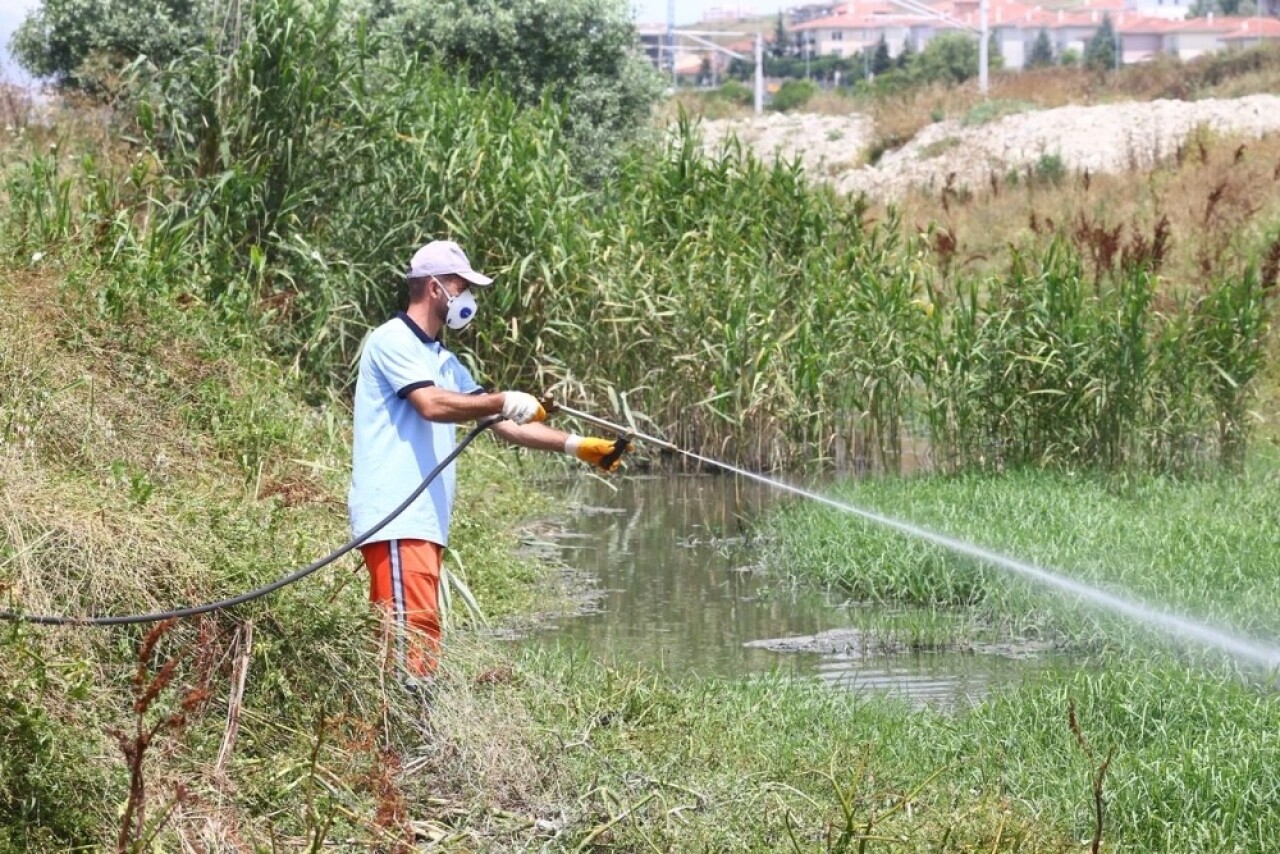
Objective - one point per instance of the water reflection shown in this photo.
(680, 591)
(946, 680)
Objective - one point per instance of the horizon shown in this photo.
(692, 11)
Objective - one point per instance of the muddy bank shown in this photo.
(852, 643)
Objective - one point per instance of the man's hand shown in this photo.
(521, 408)
(597, 452)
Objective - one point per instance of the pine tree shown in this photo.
(780, 40)
(1041, 51)
(1100, 52)
(881, 61)
(906, 55)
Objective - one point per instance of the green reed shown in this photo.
(40, 211)
(1190, 729)
(722, 301)
(1202, 548)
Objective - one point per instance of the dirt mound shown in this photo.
(1102, 138)
(828, 146)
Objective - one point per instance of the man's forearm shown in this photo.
(538, 437)
(450, 407)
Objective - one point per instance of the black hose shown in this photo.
(298, 575)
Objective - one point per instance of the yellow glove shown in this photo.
(604, 454)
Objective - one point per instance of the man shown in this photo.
(410, 393)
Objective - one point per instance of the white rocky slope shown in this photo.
(1107, 137)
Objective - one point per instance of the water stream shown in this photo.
(680, 589)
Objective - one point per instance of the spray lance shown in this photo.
(625, 435)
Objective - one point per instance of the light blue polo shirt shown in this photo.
(394, 446)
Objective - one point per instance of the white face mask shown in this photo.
(462, 308)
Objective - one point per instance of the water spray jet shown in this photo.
(1242, 649)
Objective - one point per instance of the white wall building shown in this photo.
(845, 35)
(1169, 10)
(1140, 35)
(1196, 38)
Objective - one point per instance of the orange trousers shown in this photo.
(404, 580)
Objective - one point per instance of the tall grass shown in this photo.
(150, 460)
(40, 209)
(725, 302)
(752, 760)
(1049, 365)
(1198, 548)
(1188, 728)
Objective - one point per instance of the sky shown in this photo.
(11, 14)
(691, 11)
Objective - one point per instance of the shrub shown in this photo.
(83, 44)
(1050, 168)
(1100, 52)
(1041, 51)
(735, 92)
(951, 57)
(995, 108)
(578, 53)
(793, 94)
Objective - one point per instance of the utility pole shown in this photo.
(671, 40)
(984, 47)
(759, 73)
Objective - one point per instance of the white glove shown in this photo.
(521, 408)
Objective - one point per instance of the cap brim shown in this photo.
(476, 278)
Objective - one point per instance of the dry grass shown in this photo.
(1200, 216)
(66, 549)
(89, 409)
(476, 752)
(17, 108)
(1211, 204)
(123, 488)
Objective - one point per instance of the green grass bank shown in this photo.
(153, 461)
(157, 461)
(1190, 733)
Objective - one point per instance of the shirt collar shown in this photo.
(417, 330)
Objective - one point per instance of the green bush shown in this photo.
(995, 108)
(735, 92)
(1100, 51)
(1050, 168)
(950, 57)
(793, 94)
(84, 44)
(577, 53)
